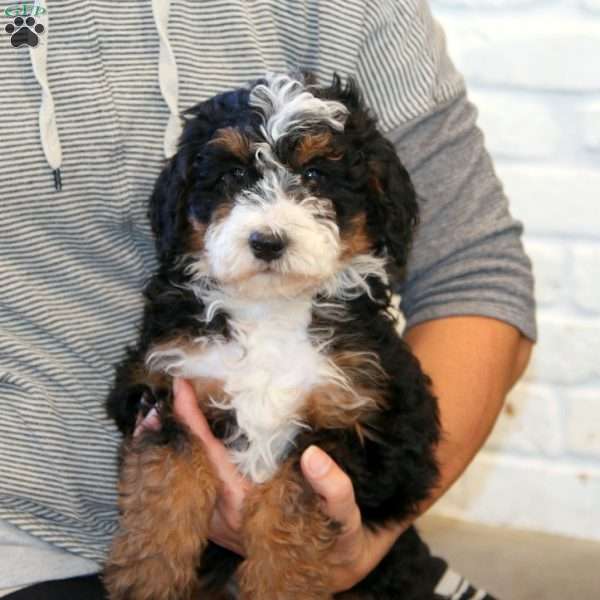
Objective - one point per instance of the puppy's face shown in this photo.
(278, 187)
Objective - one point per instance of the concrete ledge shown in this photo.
(517, 565)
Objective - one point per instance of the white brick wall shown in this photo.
(593, 5)
(533, 68)
(591, 126)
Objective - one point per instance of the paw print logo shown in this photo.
(24, 31)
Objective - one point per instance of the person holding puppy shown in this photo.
(95, 107)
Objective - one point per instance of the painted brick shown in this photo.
(567, 352)
(583, 422)
(593, 5)
(536, 54)
(586, 276)
(591, 127)
(549, 268)
(555, 200)
(558, 497)
(529, 423)
(516, 127)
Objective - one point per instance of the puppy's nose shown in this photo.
(267, 246)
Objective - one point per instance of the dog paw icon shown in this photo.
(24, 31)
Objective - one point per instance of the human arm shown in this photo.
(472, 360)
(473, 363)
(468, 302)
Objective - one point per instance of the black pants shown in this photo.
(79, 588)
(90, 587)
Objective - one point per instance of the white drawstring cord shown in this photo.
(167, 76)
(47, 115)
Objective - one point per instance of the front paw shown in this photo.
(148, 416)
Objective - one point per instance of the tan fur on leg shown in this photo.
(167, 496)
(288, 539)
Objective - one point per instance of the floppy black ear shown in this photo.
(393, 209)
(167, 209)
(394, 199)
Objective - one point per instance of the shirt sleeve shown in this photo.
(467, 257)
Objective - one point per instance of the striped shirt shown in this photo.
(73, 262)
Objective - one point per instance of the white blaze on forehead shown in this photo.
(288, 106)
(266, 158)
(274, 185)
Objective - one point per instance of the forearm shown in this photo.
(473, 362)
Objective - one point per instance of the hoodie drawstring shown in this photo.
(47, 115)
(167, 76)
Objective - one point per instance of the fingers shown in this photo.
(226, 533)
(227, 517)
(334, 486)
(188, 412)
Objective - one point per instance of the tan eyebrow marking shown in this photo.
(311, 146)
(234, 141)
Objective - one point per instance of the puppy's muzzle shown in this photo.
(267, 246)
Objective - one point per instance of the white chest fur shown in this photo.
(268, 368)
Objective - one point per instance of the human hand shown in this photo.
(225, 526)
(357, 550)
(226, 523)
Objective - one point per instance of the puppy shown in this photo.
(274, 222)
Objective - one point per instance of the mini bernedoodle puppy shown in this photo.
(275, 223)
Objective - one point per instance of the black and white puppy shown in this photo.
(275, 223)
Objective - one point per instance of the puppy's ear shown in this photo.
(167, 209)
(394, 200)
(393, 209)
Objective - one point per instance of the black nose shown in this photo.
(267, 246)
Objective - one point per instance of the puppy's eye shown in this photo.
(236, 174)
(239, 173)
(312, 174)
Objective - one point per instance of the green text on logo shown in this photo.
(24, 9)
